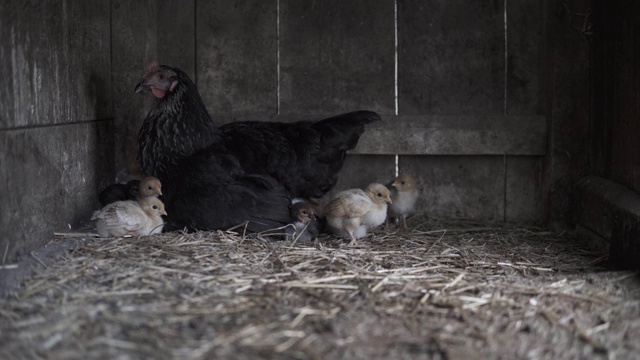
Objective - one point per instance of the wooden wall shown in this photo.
(482, 100)
(608, 212)
(56, 123)
(468, 120)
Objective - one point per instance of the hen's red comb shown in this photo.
(152, 65)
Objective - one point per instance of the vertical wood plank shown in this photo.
(458, 186)
(524, 56)
(336, 56)
(625, 115)
(50, 177)
(176, 34)
(133, 46)
(523, 190)
(603, 92)
(237, 58)
(56, 63)
(567, 100)
(451, 57)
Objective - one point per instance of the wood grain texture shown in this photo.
(50, 178)
(55, 62)
(458, 186)
(611, 211)
(237, 58)
(523, 190)
(456, 135)
(134, 45)
(361, 170)
(336, 55)
(525, 47)
(451, 57)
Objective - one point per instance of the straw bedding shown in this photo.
(444, 290)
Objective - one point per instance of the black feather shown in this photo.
(118, 192)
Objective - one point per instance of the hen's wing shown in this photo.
(304, 156)
(209, 192)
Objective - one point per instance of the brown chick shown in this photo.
(149, 187)
(305, 224)
(404, 193)
(352, 212)
(136, 218)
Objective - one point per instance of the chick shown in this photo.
(404, 194)
(149, 187)
(128, 217)
(305, 225)
(118, 192)
(353, 212)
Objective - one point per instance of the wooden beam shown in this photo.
(456, 135)
(611, 211)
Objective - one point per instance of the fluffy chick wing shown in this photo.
(125, 214)
(349, 203)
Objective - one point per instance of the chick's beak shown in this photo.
(389, 200)
(163, 212)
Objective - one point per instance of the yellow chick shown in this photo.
(352, 212)
(136, 218)
(149, 187)
(404, 194)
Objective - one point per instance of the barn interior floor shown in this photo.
(444, 290)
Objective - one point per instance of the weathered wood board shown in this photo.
(611, 211)
(456, 135)
(525, 54)
(55, 62)
(361, 170)
(133, 46)
(458, 186)
(451, 57)
(523, 190)
(336, 56)
(50, 177)
(236, 57)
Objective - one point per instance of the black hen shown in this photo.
(217, 177)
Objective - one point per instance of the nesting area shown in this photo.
(444, 290)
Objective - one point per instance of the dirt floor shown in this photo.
(445, 290)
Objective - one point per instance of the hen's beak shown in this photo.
(142, 85)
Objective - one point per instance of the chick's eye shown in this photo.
(380, 195)
(402, 182)
(304, 212)
(150, 188)
(161, 76)
(154, 207)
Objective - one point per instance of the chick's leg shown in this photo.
(404, 222)
(353, 238)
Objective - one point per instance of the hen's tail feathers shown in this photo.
(342, 132)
